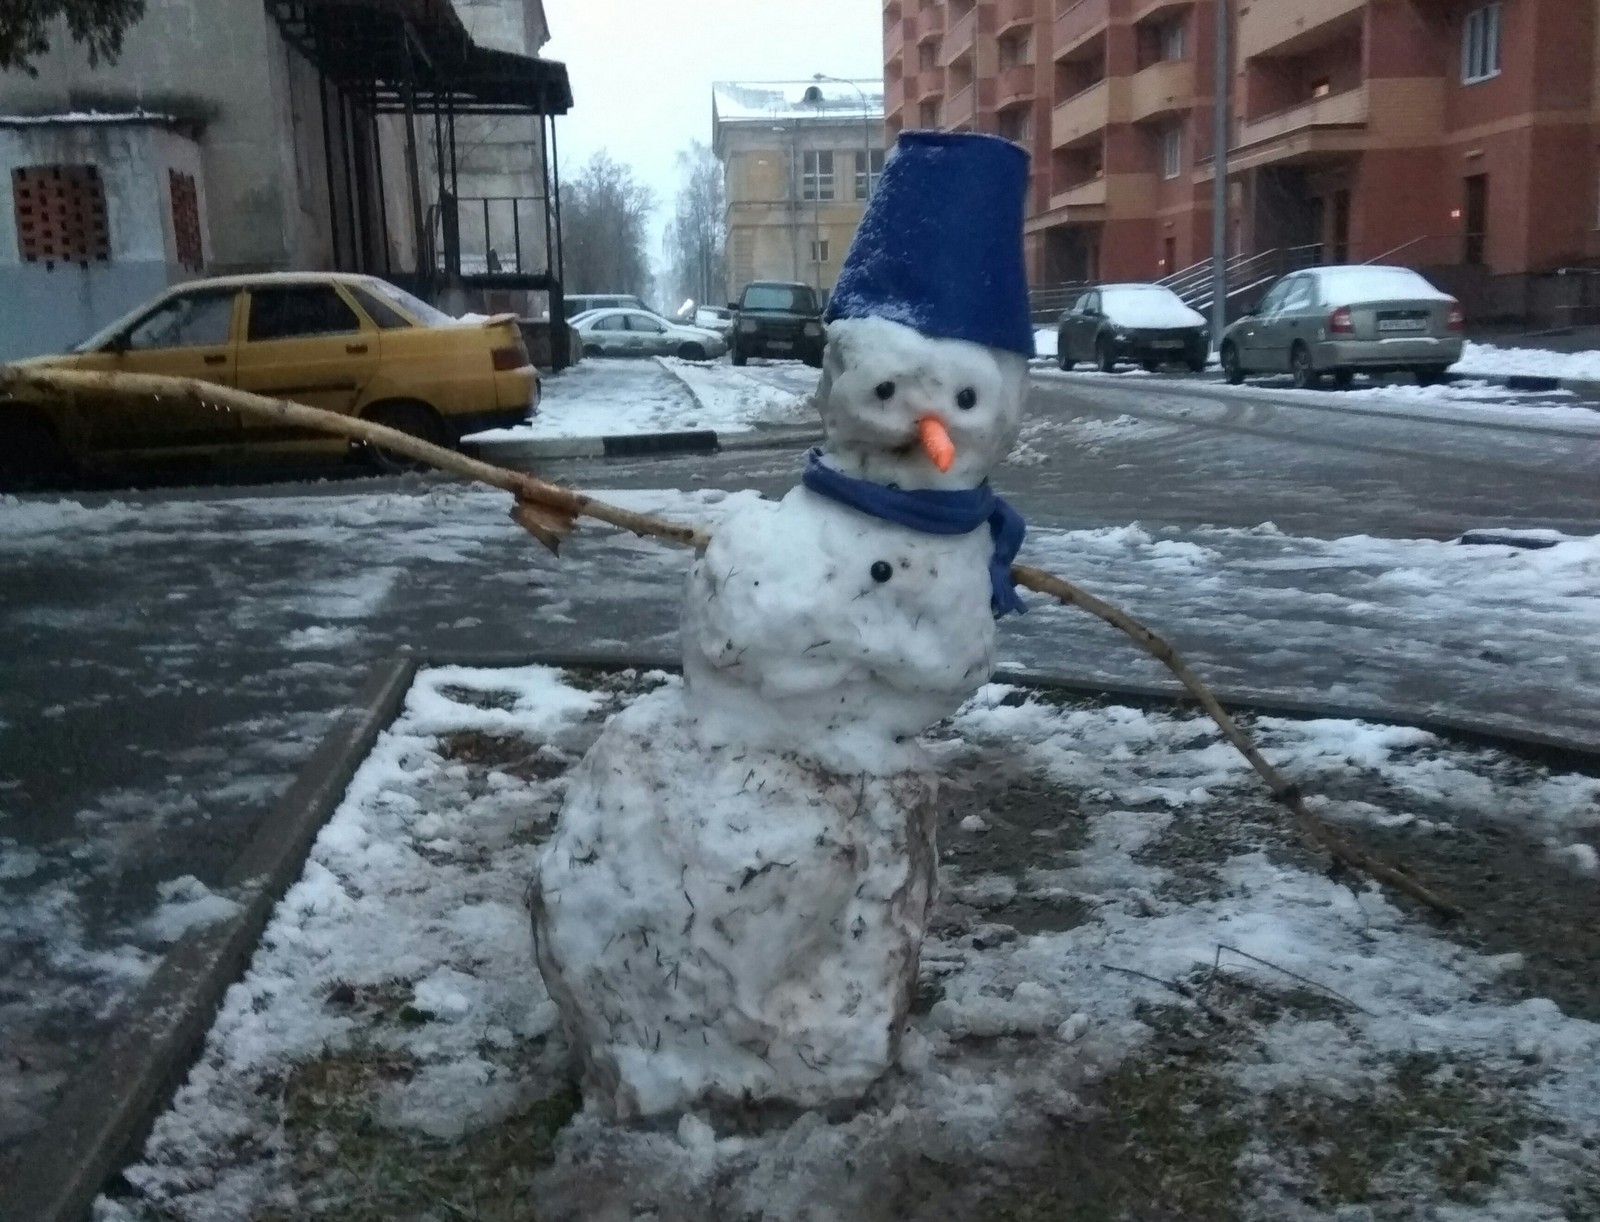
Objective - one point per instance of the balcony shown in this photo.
(896, 92)
(1288, 27)
(961, 38)
(1086, 113)
(1076, 25)
(929, 85)
(1091, 194)
(894, 38)
(1334, 124)
(1015, 84)
(968, 105)
(1161, 89)
(930, 22)
(1009, 14)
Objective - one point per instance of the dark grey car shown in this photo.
(1148, 324)
(1339, 321)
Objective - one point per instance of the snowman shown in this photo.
(732, 906)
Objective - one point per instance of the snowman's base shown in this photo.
(728, 927)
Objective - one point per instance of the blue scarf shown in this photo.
(934, 512)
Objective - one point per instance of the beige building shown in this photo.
(800, 159)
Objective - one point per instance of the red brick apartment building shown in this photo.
(1455, 135)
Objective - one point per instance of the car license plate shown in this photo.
(1401, 324)
(780, 345)
(1167, 343)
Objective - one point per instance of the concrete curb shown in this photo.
(108, 1108)
(634, 445)
(1548, 748)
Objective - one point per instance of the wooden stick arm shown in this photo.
(548, 511)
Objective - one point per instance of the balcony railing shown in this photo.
(1161, 89)
(1264, 27)
(930, 22)
(961, 38)
(1084, 195)
(894, 38)
(930, 85)
(1337, 110)
(961, 108)
(1017, 83)
(1085, 113)
(1077, 24)
(896, 92)
(1011, 13)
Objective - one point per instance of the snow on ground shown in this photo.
(1045, 341)
(393, 1003)
(601, 397)
(1489, 359)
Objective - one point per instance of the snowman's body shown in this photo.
(733, 903)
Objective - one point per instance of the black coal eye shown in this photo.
(884, 390)
(881, 570)
(967, 398)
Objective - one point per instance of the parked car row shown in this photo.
(1319, 322)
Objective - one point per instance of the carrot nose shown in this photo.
(936, 443)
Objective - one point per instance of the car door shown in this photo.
(1254, 336)
(1077, 327)
(648, 337)
(185, 335)
(305, 342)
(608, 335)
(1293, 321)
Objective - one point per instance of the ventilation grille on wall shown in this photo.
(186, 219)
(61, 214)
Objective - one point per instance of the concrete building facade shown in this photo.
(273, 136)
(800, 159)
(1461, 136)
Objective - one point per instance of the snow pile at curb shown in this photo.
(1097, 863)
(1490, 360)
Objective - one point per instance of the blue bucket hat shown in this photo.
(940, 246)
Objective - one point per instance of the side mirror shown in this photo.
(1251, 311)
(1091, 312)
(117, 344)
(733, 305)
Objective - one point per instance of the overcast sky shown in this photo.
(641, 70)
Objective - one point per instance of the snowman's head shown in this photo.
(887, 392)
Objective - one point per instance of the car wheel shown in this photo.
(31, 456)
(1196, 363)
(1432, 375)
(1231, 369)
(739, 358)
(1305, 375)
(691, 352)
(1104, 358)
(415, 420)
(1342, 378)
(1150, 366)
(592, 350)
(1066, 362)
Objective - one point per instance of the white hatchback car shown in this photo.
(641, 333)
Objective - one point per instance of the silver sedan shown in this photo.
(1341, 321)
(641, 333)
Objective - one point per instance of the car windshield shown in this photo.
(1146, 305)
(788, 298)
(419, 309)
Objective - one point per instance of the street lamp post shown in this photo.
(866, 128)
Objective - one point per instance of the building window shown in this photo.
(186, 220)
(868, 171)
(819, 251)
(1017, 124)
(1015, 50)
(817, 175)
(61, 214)
(1480, 44)
(928, 56)
(928, 115)
(1321, 88)
(1171, 152)
(1172, 40)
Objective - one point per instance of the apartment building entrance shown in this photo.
(1072, 254)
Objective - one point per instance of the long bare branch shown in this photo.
(546, 510)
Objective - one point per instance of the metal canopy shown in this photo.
(415, 57)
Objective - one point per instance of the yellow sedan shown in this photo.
(351, 344)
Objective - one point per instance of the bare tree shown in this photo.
(604, 215)
(696, 237)
(96, 24)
